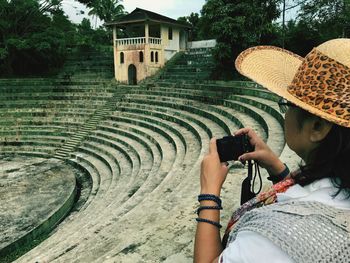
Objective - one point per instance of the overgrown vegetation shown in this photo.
(35, 35)
(237, 25)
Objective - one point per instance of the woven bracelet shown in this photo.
(208, 207)
(209, 197)
(209, 222)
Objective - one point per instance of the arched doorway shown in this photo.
(132, 77)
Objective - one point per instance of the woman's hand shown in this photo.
(213, 173)
(262, 153)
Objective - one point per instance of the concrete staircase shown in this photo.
(99, 115)
(193, 66)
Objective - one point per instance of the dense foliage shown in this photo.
(194, 21)
(240, 24)
(106, 10)
(317, 21)
(236, 25)
(30, 36)
(35, 36)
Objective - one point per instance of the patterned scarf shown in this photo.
(262, 199)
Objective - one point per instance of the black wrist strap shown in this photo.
(279, 177)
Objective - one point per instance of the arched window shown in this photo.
(121, 57)
(141, 56)
(152, 56)
(156, 56)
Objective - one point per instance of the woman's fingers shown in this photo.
(254, 139)
(242, 131)
(212, 146)
(248, 156)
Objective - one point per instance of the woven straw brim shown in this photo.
(274, 68)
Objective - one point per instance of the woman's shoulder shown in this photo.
(308, 225)
(322, 191)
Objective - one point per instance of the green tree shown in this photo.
(31, 38)
(316, 22)
(301, 37)
(106, 10)
(236, 25)
(194, 21)
(87, 38)
(332, 18)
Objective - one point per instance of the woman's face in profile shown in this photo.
(296, 136)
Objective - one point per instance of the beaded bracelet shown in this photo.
(208, 207)
(209, 197)
(209, 222)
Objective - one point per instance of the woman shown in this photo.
(305, 216)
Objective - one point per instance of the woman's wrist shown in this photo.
(212, 191)
(276, 167)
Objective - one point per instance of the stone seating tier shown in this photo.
(190, 67)
(70, 124)
(190, 119)
(96, 67)
(188, 103)
(90, 66)
(266, 108)
(83, 184)
(151, 137)
(143, 147)
(221, 113)
(219, 127)
(135, 134)
(52, 96)
(140, 167)
(182, 69)
(238, 88)
(160, 117)
(186, 76)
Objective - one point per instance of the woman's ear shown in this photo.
(320, 129)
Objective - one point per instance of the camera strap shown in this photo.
(247, 189)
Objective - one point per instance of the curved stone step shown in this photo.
(176, 103)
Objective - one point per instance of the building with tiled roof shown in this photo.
(148, 41)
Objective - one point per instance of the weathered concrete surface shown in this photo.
(35, 193)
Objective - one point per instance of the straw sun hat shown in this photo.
(318, 83)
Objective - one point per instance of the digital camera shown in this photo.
(231, 147)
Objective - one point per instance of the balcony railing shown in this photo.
(155, 40)
(138, 40)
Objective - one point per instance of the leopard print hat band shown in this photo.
(318, 83)
(324, 84)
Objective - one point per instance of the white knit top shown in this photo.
(250, 246)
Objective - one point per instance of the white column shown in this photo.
(114, 36)
(115, 50)
(146, 32)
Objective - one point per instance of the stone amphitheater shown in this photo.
(96, 171)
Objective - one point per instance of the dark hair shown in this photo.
(330, 159)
